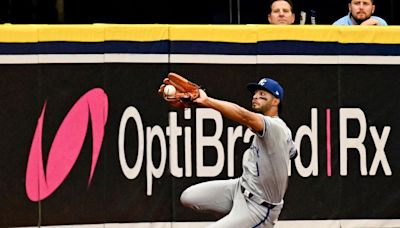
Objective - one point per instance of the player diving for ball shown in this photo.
(255, 199)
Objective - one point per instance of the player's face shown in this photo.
(281, 13)
(262, 101)
(361, 10)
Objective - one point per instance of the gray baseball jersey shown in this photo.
(264, 179)
(265, 163)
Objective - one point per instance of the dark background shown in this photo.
(173, 11)
(112, 198)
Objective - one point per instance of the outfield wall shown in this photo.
(86, 140)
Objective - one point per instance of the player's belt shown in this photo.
(256, 199)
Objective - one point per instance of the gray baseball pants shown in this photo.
(224, 197)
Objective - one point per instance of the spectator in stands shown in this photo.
(281, 12)
(360, 13)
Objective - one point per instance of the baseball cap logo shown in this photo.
(262, 81)
(269, 85)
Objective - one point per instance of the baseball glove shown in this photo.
(186, 91)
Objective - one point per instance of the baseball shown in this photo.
(169, 90)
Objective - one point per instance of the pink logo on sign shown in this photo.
(67, 145)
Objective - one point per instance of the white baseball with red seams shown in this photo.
(169, 90)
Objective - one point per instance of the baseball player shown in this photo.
(256, 198)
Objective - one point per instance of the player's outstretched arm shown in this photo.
(232, 111)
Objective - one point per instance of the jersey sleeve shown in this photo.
(276, 131)
(271, 128)
(266, 126)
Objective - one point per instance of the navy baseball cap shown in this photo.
(269, 85)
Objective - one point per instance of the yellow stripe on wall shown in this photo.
(328, 33)
(18, 33)
(214, 33)
(72, 33)
(369, 34)
(136, 32)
